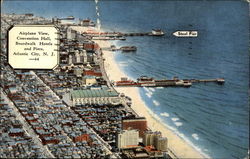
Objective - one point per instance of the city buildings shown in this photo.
(155, 139)
(150, 138)
(139, 123)
(162, 144)
(89, 80)
(102, 95)
(40, 124)
(127, 138)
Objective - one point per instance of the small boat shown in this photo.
(186, 33)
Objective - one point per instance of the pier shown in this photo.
(145, 81)
(118, 34)
(121, 36)
(122, 48)
(217, 80)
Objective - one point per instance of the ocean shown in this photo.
(213, 118)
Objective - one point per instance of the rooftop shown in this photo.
(91, 93)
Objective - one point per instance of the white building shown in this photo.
(85, 57)
(77, 55)
(103, 95)
(150, 138)
(155, 139)
(70, 61)
(71, 34)
(127, 138)
(162, 144)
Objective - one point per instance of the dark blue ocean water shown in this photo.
(214, 118)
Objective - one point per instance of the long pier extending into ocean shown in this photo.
(145, 81)
(121, 36)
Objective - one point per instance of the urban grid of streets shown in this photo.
(37, 100)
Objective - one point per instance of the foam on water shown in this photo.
(156, 103)
(178, 124)
(123, 64)
(175, 119)
(159, 87)
(151, 89)
(151, 93)
(165, 114)
(147, 90)
(195, 136)
(130, 61)
(181, 135)
(148, 95)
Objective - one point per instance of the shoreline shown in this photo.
(179, 146)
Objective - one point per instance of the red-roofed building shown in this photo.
(135, 123)
(83, 137)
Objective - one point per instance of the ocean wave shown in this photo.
(156, 117)
(123, 64)
(195, 136)
(148, 95)
(165, 114)
(156, 103)
(146, 89)
(175, 119)
(151, 93)
(159, 87)
(178, 124)
(181, 135)
(151, 89)
(130, 61)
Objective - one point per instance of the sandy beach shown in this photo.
(177, 145)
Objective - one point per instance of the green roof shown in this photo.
(91, 93)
